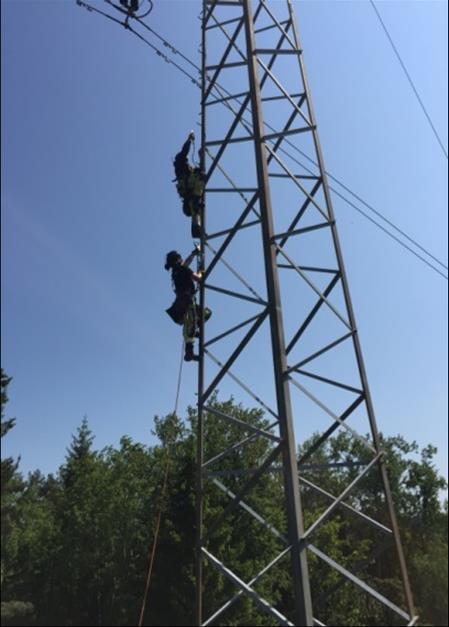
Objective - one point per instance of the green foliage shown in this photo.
(9, 466)
(17, 613)
(416, 486)
(11, 488)
(75, 546)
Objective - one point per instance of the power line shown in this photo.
(167, 43)
(91, 9)
(351, 204)
(370, 207)
(163, 56)
(126, 25)
(409, 78)
(382, 228)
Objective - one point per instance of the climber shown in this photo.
(190, 185)
(184, 310)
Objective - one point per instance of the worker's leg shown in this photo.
(207, 315)
(186, 207)
(196, 216)
(189, 330)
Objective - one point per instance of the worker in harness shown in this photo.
(184, 310)
(190, 185)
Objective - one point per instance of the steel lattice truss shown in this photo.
(285, 310)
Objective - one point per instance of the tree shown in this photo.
(76, 546)
(9, 466)
(415, 485)
(13, 612)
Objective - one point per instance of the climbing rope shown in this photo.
(163, 490)
(179, 377)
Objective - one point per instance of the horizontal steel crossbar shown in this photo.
(249, 485)
(242, 423)
(241, 472)
(330, 381)
(304, 177)
(295, 131)
(224, 190)
(217, 24)
(288, 266)
(224, 66)
(226, 98)
(273, 51)
(271, 26)
(270, 98)
(222, 290)
(232, 230)
(231, 330)
(320, 352)
(333, 415)
(305, 229)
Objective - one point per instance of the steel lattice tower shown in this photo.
(270, 228)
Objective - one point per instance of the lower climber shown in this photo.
(190, 185)
(184, 310)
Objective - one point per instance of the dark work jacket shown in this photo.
(185, 292)
(183, 281)
(182, 167)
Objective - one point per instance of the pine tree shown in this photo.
(13, 612)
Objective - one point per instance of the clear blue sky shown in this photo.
(91, 119)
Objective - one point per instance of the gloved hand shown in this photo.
(192, 135)
(196, 250)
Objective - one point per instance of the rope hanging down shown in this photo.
(162, 495)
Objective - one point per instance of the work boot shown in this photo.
(189, 354)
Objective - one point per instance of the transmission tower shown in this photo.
(275, 278)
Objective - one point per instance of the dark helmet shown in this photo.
(173, 258)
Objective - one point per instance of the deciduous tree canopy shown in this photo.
(75, 545)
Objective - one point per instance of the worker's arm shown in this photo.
(183, 154)
(197, 276)
(191, 257)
